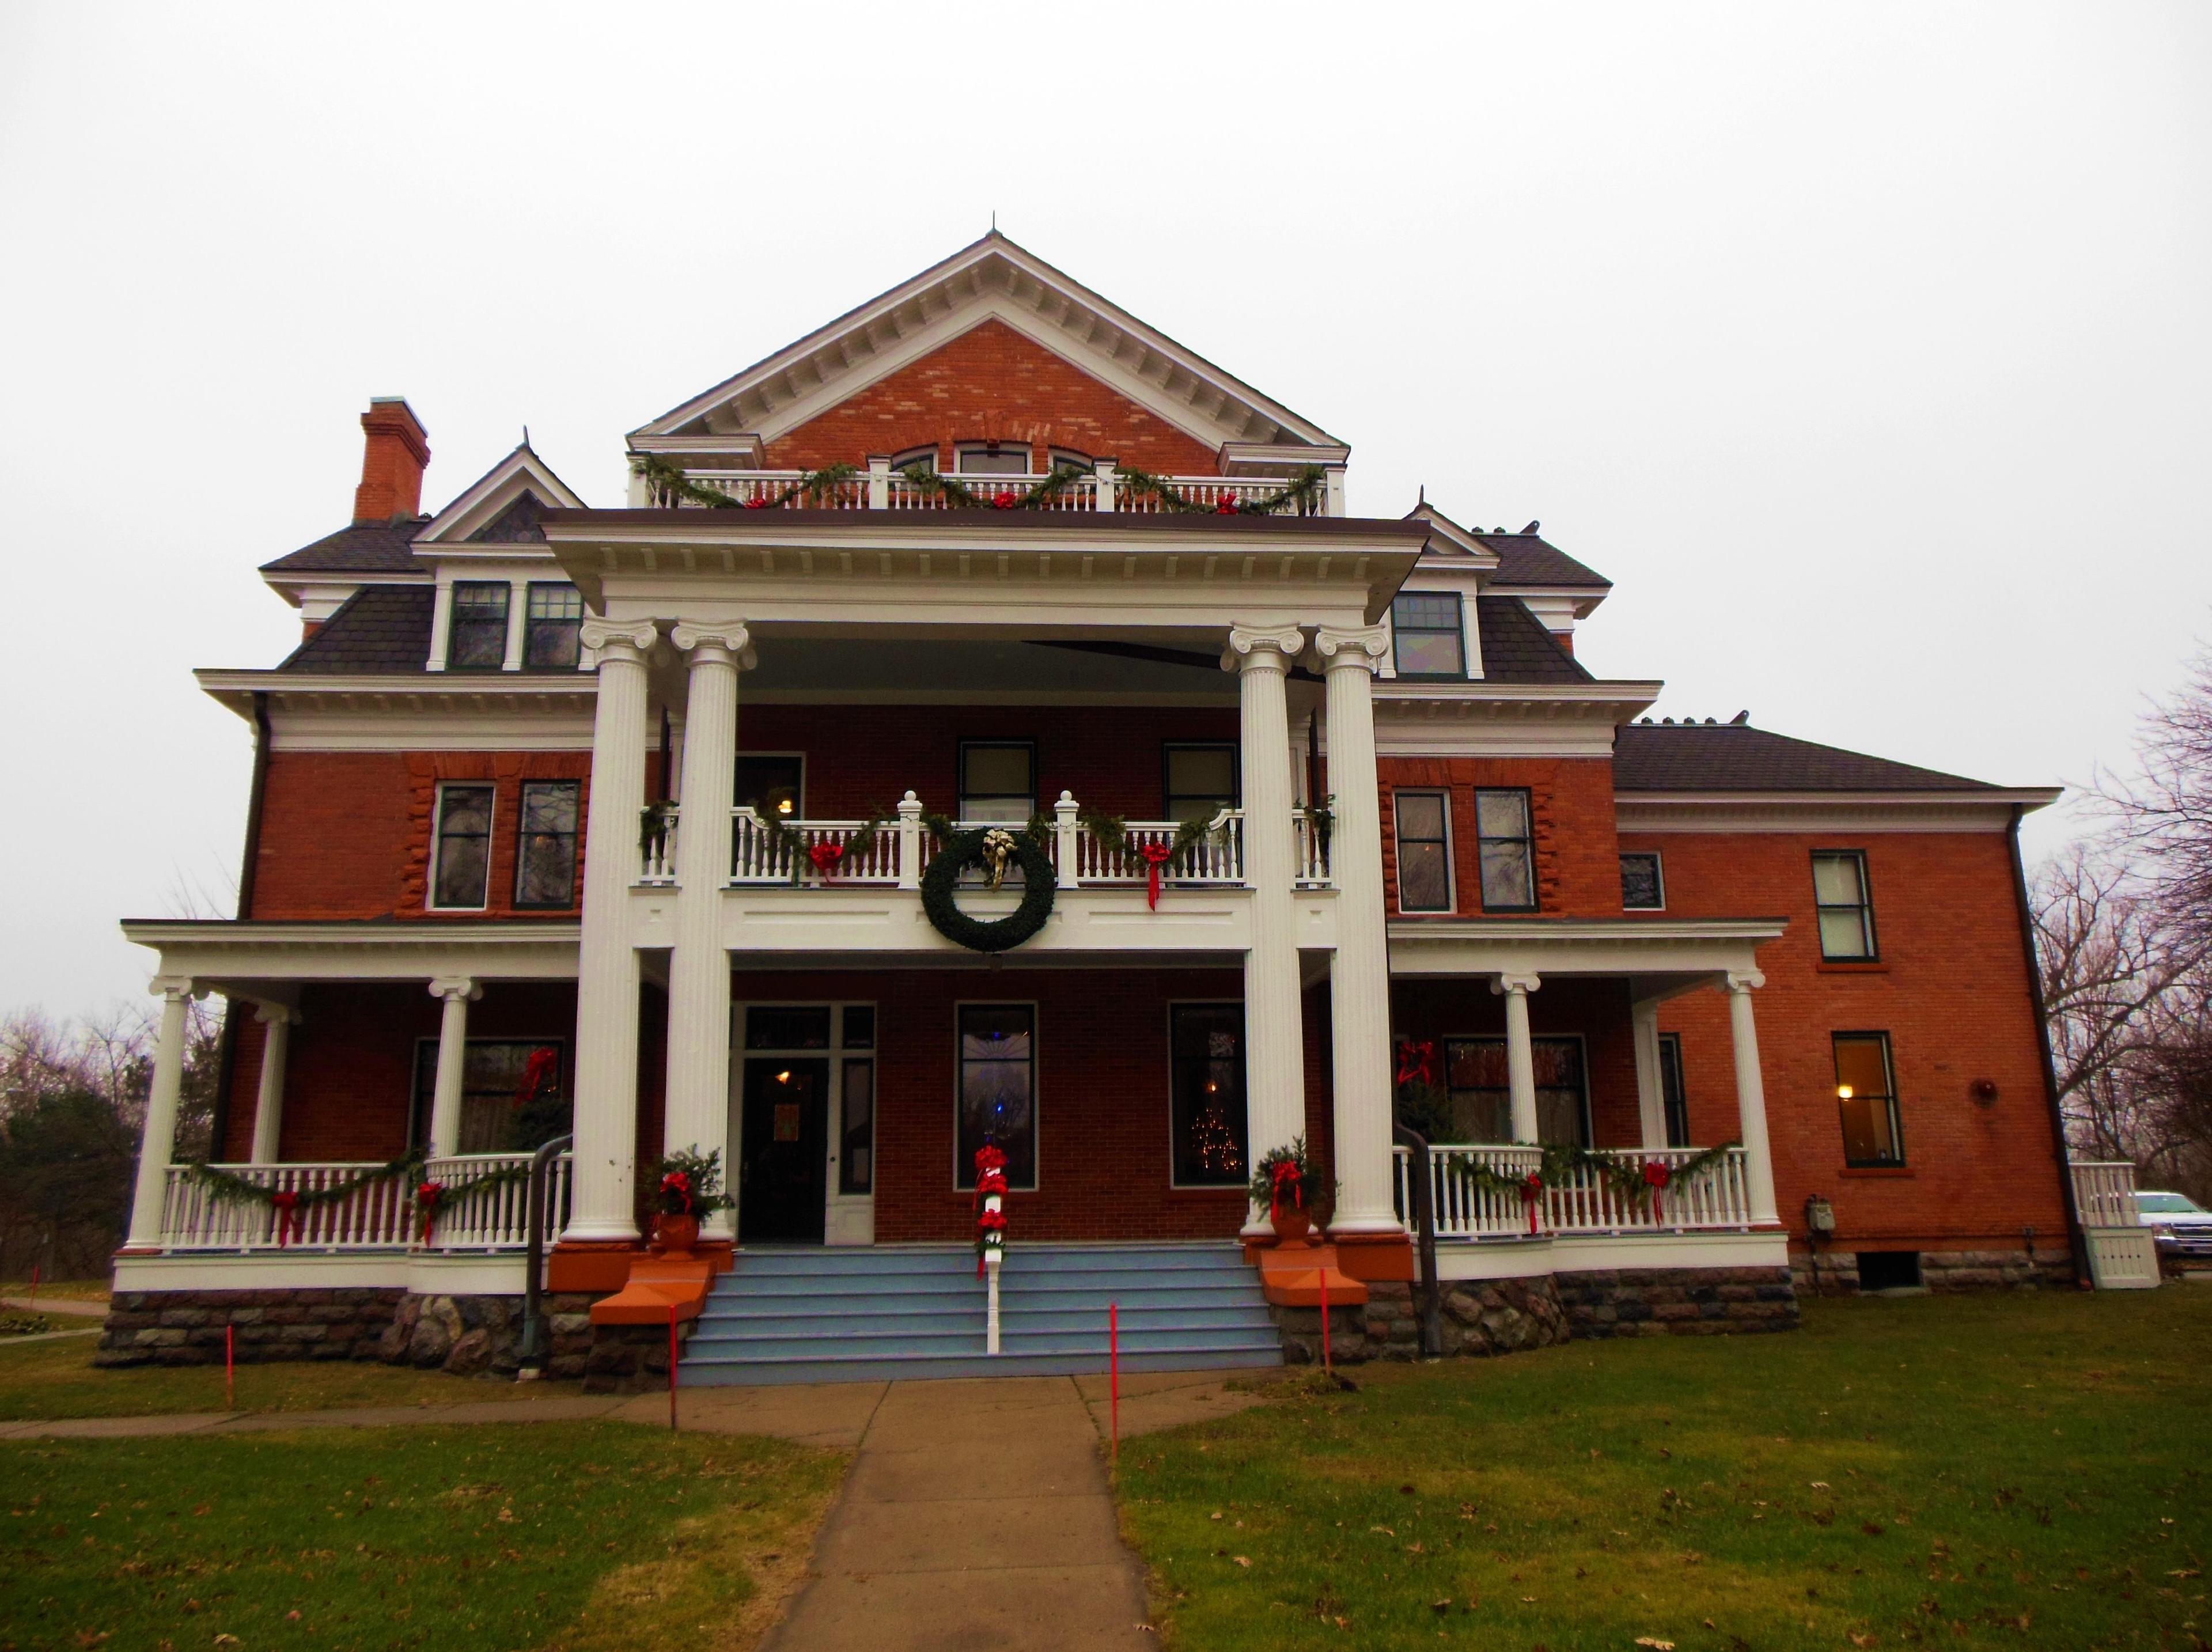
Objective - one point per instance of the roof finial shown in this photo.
(526, 435)
(1423, 499)
(994, 221)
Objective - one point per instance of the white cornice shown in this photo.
(1660, 955)
(1500, 720)
(443, 693)
(1965, 810)
(242, 959)
(992, 279)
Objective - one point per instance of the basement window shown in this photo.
(1889, 1270)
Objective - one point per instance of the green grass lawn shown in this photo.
(43, 1380)
(572, 1536)
(68, 1290)
(2023, 1470)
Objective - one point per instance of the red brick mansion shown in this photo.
(984, 725)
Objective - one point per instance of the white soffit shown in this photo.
(991, 279)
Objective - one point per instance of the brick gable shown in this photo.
(991, 384)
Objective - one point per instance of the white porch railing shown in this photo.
(1716, 1200)
(1310, 869)
(762, 855)
(895, 491)
(380, 1216)
(2105, 1194)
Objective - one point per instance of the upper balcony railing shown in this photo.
(815, 853)
(1102, 491)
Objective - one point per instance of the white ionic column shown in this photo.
(606, 962)
(1520, 1055)
(276, 1020)
(1751, 1095)
(159, 1144)
(455, 994)
(698, 1106)
(1274, 1036)
(1651, 1089)
(1359, 973)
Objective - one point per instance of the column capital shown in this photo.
(1346, 648)
(1744, 981)
(724, 642)
(277, 1015)
(1523, 981)
(449, 987)
(624, 639)
(176, 988)
(1262, 647)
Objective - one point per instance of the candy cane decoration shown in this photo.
(990, 1234)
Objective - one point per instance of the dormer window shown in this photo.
(1429, 635)
(476, 640)
(551, 628)
(995, 458)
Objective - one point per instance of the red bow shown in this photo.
(287, 1206)
(679, 1184)
(1227, 506)
(1285, 1171)
(1532, 1190)
(759, 502)
(537, 1072)
(1156, 855)
(430, 1196)
(990, 1222)
(825, 856)
(1004, 502)
(1416, 1062)
(1658, 1176)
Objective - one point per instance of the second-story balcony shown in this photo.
(894, 852)
(1102, 488)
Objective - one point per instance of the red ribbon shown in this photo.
(679, 1184)
(1416, 1062)
(1656, 1174)
(1156, 856)
(989, 1222)
(430, 1195)
(1531, 1191)
(1004, 502)
(825, 856)
(759, 502)
(1286, 1172)
(287, 1206)
(537, 1072)
(1226, 506)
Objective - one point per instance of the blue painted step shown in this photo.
(865, 1313)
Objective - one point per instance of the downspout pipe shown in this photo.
(2074, 1240)
(227, 1061)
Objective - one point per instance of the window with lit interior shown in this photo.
(1209, 1095)
(1865, 1094)
(998, 1090)
(1423, 851)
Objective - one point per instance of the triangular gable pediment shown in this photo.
(1449, 542)
(991, 279)
(501, 507)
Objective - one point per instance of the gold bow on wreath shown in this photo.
(997, 855)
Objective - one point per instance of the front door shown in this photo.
(782, 1177)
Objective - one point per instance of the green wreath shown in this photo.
(966, 850)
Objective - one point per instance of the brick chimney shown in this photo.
(397, 453)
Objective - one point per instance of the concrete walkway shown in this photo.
(976, 1513)
(62, 1305)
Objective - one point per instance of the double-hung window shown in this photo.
(1428, 634)
(998, 1090)
(998, 779)
(1642, 885)
(476, 634)
(1209, 1095)
(995, 458)
(1845, 903)
(1423, 851)
(545, 847)
(552, 628)
(1200, 781)
(514, 1096)
(1508, 851)
(461, 868)
(1478, 1076)
(1866, 1092)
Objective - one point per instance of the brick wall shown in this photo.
(347, 833)
(991, 384)
(1570, 807)
(1952, 991)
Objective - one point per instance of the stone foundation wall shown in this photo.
(1835, 1271)
(1658, 1302)
(630, 1358)
(470, 1336)
(186, 1327)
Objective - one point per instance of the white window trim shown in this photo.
(1036, 1081)
(1659, 864)
(1174, 1004)
(438, 844)
(1397, 845)
(1470, 645)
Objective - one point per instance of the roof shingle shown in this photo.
(361, 548)
(380, 628)
(1527, 559)
(1516, 648)
(1736, 757)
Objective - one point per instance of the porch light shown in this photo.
(1843, 1092)
(783, 806)
(784, 1077)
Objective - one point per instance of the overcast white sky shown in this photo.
(1867, 349)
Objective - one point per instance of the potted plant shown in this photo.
(689, 1189)
(1285, 1183)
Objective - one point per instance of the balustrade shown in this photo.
(780, 489)
(381, 1215)
(1716, 1198)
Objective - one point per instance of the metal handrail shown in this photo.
(532, 1356)
(1424, 1240)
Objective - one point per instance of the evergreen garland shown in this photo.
(672, 482)
(431, 1197)
(1561, 1160)
(1304, 491)
(1112, 832)
(957, 493)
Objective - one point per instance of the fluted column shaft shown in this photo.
(1751, 1096)
(269, 1094)
(1274, 1037)
(1520, 1055)
(159, 1144)
(698, 1116)
(1651, 1087)
(454, 994)
(607, 963)
(1359, 973)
